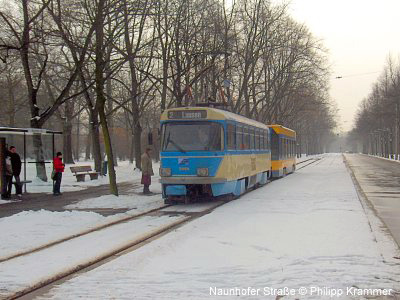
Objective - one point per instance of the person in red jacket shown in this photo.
(58, 170)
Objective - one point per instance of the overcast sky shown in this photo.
(359, 34)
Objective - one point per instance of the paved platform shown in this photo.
(37, 201)
(380, 181)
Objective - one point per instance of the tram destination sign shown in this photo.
(187, 114)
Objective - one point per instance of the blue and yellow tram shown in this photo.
(207, 152)
(283, 150)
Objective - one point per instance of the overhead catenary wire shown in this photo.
(355, 75)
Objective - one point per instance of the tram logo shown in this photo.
(183, 161)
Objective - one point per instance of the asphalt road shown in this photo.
(380, 181)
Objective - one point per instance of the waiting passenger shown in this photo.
(9, 176)
(147, 171)
(16, 170)
(58, 167)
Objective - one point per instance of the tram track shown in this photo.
(103, 226)
(314, 160)
(82, 233)
(143, 238)
(28, 292)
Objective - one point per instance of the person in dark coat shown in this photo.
(58, 170)
(147, 171)
(8, 177)
(16, 170)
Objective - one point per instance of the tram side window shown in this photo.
(285, 148)
(265, 134)
(251, 138)
(293, 148)
(257, 139)
(246, 138)
(239, 138)
(231, 137)
(275, 149)
(261, 134)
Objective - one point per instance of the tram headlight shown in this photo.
(202, 172)
(165, 171)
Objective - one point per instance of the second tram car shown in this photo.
(283, 148)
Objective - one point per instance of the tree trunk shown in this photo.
(67, 130)
(67, 148)
(88, 143)
(95, 135)
(101, 99)
(78, 138)
(137, 136)
(132, 149)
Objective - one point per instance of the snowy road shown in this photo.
(306, 230)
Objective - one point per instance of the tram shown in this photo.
(283, 150)
(207, 153)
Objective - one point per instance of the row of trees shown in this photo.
(96, 68)
(377, 125)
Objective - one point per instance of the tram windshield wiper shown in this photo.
(177, 146)
(173, 143)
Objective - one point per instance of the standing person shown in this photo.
(58, 170)
(16, 170)
(9, 176)
(147, 171)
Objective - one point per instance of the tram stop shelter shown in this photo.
(24, 132)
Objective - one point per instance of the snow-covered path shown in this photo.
(308, 229)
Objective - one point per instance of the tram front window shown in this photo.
(192, 136)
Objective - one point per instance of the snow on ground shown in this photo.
(30, 229)
(132, 201)
(125, 172)
(308, 229)
(45, 264)
(304, 157)
(42, 227)
(140, 203)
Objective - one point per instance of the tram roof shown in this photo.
(283, 130)
(212, 114)
(27, 131)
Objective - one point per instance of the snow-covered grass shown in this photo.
(26, 271)
(31, 229)
(307, 229)
(124, 171)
